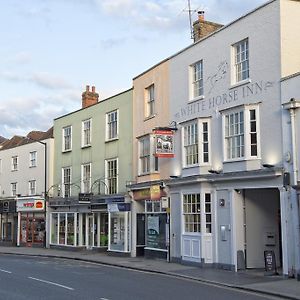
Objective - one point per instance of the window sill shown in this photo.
(112, 140)
(240, 83)
(66, 151)
(191, 166)
(149, 173)
(196, 99)
(149, 117)
(86, 146)
(241, 159)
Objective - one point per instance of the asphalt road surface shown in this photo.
(30, 278)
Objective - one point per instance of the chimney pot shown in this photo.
(201, 15)
(89, 98)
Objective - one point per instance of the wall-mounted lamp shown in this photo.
(214, 171)
(268, 166)
(174, 176)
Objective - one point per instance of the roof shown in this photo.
(31, 137)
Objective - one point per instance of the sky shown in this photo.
(51, 49)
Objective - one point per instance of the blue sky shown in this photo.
(51, 49)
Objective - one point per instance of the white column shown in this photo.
(233, 230)
(284, 203)
(19, 229)
(126, 231)
(109, 229)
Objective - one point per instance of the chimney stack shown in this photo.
(89, 97)
(202, 28)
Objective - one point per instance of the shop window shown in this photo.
(70, 229)
(156, 220)
(191, 213)
(62, 229)
(54, 228)
(208, 216)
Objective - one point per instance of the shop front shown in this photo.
(31, 221)
(8, 222)
(119, 219)
(152, 222)
(91, 222)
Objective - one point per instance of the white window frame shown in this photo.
(86, 133)
(112, 125)
(187, 211)
(14, 163)
(112, 180)
(31, 187)
(86, 182)
(150, 101)
(201, 139)
(69, 184)
(246, 109)
(32, 159)
(196, 80)
(14, 189)
(203, 215)
(64, 148)
(240, 59)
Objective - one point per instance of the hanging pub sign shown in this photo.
(164, 143)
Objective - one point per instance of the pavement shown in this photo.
(255, 280)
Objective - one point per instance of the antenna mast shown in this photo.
(190, 18)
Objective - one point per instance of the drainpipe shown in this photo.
(292, 105)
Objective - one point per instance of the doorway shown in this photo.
(262, 225)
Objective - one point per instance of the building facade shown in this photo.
(93, 162)
(26, 172)
(231, 192)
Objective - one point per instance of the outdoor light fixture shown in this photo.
(214, 171)
(174, 176)
(268, 166)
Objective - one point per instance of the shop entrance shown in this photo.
(32, 229)
(261, 226)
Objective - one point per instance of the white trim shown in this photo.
(63, 138)
(83, 145)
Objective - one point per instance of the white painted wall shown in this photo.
(25, 173)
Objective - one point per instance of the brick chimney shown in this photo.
(89, 97)
(202, 28)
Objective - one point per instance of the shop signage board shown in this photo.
(270, 262)
(164, 143)
(85, 197)
(117, 207)
(152, 193)
(30, 204)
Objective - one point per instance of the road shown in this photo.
(27, 277)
